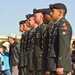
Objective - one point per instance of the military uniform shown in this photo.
(51, 66)
(45, 43)
(36, 49)
(65, 34)
(60, 40)
(30, 50)
(60, 45)
(23, 54)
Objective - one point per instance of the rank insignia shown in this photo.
(64, 26)
(63, 33)
(45, 28)
(52, 26)
(32, 30)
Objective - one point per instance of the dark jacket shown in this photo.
(73, 56)
(40, 47)
(51, 65)
(36, 48)
(14, 54)
(60, 44)
(23, 50)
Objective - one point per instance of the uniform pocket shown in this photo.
(38, 35)
(39, 63)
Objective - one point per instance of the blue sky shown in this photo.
(12, 11)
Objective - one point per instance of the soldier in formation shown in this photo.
(45, 43)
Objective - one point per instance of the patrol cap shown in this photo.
(37, 11)
(46, 11)
(58, 6)
(29, 15)
(12, 35)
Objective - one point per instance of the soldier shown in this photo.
(50, 23)
(35, 52)
(46, 15)
(21, 26)
(22, 31)
(23, 48)
(47, 19)
(60, 42)
(41, 45)
(30, 47)
(27, 22)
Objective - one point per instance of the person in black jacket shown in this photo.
(13, 54)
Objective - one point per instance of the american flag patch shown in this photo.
(64, 26)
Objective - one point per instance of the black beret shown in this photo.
(46, 11)
(22, 22)
(37, 11)
(58, 6)
(29, 15)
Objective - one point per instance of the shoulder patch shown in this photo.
(63, 20)
(64, 26)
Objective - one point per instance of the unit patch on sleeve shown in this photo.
(64, 26)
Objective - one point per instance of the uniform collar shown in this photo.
(58, 20)
(50, 21)
(40, 23)
(35, 27)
